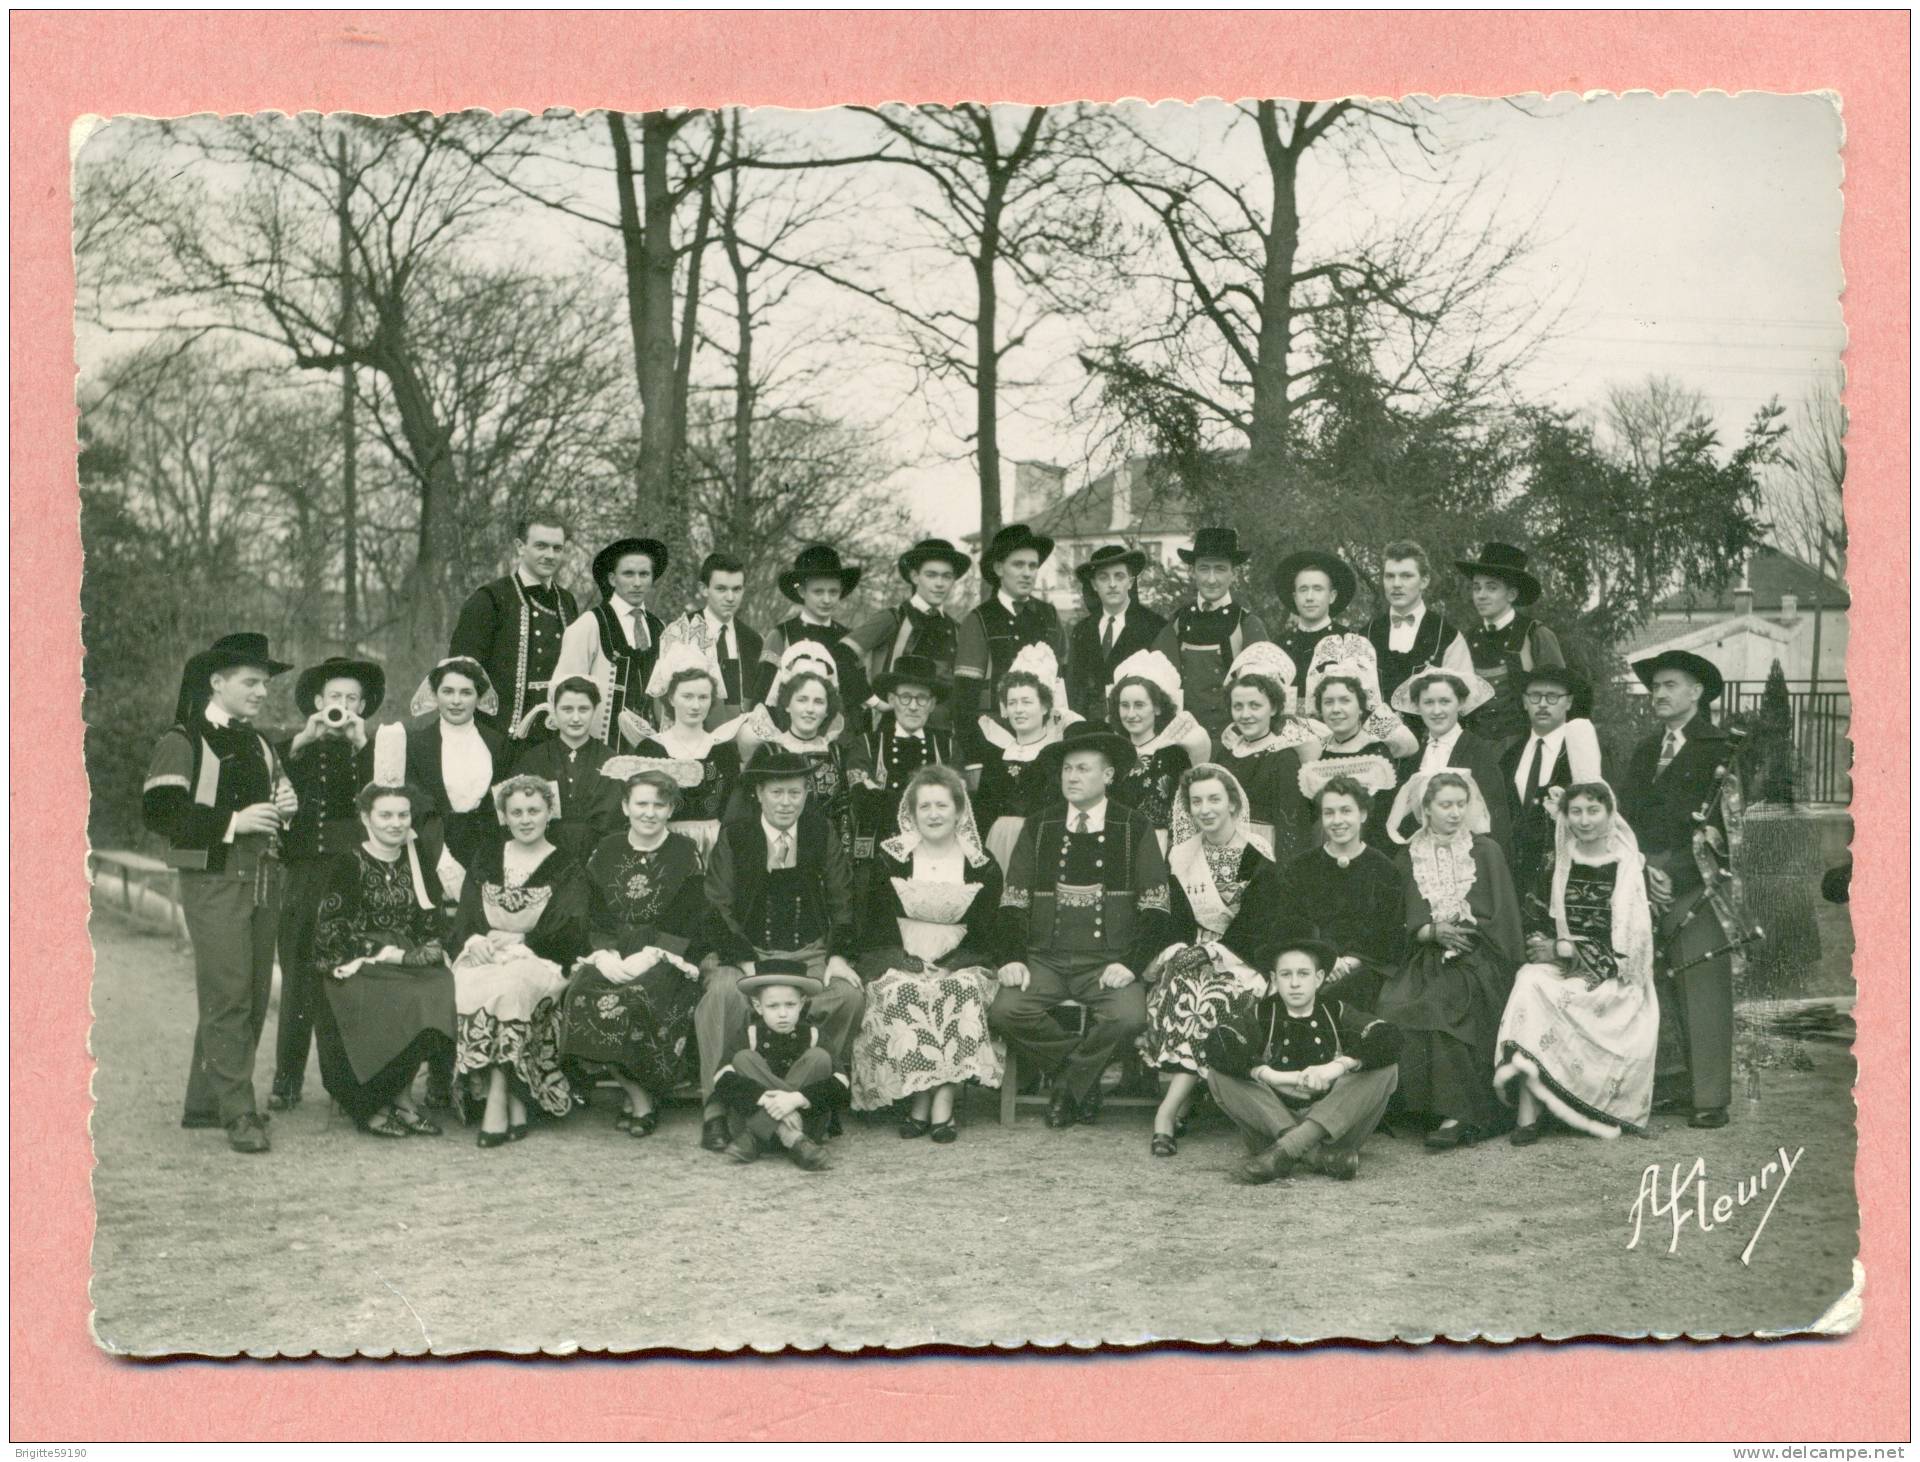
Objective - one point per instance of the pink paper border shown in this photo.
(160, 63)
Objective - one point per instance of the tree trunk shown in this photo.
(349, 432)
(1272, 409)
(986, 349)
(427, 614)
(659, 431)
(742, 369)
(630, 245)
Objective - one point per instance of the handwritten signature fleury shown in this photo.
(1692, 1182)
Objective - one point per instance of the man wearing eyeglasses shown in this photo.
(901, 742)
(1558, 749)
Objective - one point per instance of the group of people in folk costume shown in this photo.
(1339, 874)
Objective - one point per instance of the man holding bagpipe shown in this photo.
(1681, 796)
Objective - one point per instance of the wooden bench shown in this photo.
(1010, 1097)
(150, 875)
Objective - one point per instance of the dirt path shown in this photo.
(580, 1237)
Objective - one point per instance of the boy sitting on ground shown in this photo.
(779, 1085)
(1304, 1081)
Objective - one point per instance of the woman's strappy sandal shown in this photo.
(415, 1123)
(1165, 1144)
(385, 1124)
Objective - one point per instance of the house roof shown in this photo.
(1157, 507)
(1652, 639)
(1771, 573)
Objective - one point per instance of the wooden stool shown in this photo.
(1010, 1098)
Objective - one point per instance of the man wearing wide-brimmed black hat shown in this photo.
(1084, 911)
(216, 793)
(1316, 586)
(919, 626)
(615, 644)
(817, 582)
(328, 761)
(1670, 778)
(1008, 619)
(1115, 625)
(1558, 750)
(778, 886)
(1205, 637)
(512, 626)
(903, 740)
(1505, 642)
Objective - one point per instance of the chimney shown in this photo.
(1036, 487)
(1122, 497)
(1789, 607)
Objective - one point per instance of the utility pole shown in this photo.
(349, 433)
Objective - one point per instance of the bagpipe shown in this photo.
(1718, 862)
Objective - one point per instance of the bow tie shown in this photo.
(1403, 621)
(900, 735)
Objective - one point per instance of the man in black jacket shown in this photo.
(778, 886)
(1115, 626)
(1673, 775)
(215, 792)
(1083, 914)
(512, 625)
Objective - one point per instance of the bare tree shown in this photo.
(1645, 422)
(1253, 322)
(243, 236)
(1014, 201)
(1805, 496)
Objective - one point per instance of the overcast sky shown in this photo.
(1691, 236)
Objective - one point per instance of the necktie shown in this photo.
(1530, 783)
(1403, 621)
(1079, 822)
(1489, 626)
(783, 851)
(1669, 749)
(1107, 635)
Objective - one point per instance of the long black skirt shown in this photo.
(373, 1031)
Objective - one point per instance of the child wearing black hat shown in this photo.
(779, 1085)
(1304, 1080)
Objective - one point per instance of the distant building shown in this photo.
(1779, 608)
(1134, 504)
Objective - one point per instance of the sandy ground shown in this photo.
(582, 1238)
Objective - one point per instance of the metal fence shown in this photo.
(1821, 716)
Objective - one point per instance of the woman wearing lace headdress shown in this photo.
(1146, 706)
(929, 970)
(1267, 743)
(803, 714)
(1223, 895)
(522, 922)
(1363, 737)
(1581, 1026)
(1017, 774)
(1464, 923)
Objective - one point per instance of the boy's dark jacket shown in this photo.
(1260, 1033)
(743, 1093)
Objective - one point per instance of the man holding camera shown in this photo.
(328, 761)
(216, 794)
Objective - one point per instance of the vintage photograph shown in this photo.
(967, 726)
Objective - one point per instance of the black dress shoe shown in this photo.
(1525, 1134)
(713, 1134)
(1062, 1110)
(493, 1139)
(1708, 1117)
(1165, 1144)
(248, 1134)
